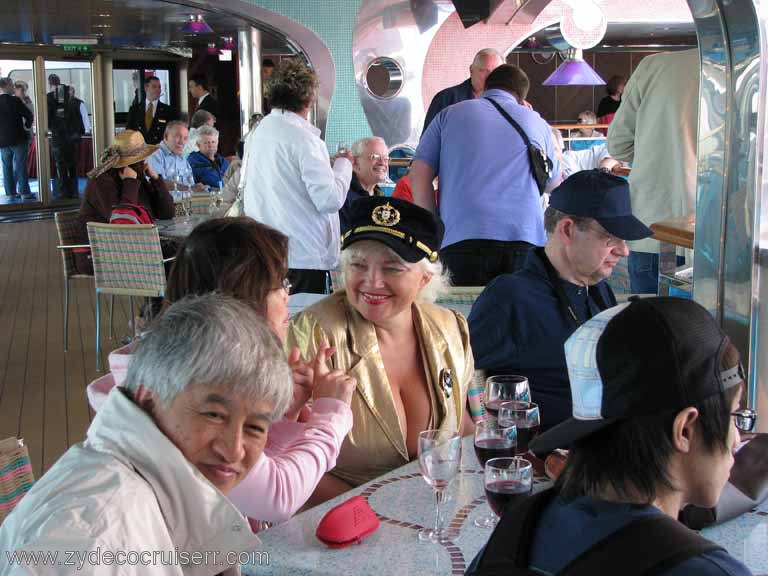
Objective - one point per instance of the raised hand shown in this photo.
(331, 383)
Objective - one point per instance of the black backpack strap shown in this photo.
(508, 548)
(644, 547)
(511, 120)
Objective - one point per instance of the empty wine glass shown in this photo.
(503, 388)
(439, 457)
(507, 480)
(525, 416)
(493, 440)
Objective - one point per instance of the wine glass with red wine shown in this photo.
(525, 416)
(493, 441)
(439, 458)
(504, 388)
(507, 480)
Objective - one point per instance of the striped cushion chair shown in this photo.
(16, 477)
(128, 261)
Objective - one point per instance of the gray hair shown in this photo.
(359, 146)
(173, 124)
(486, 52)
(552, 217)
(207, 131)
(201, 117)
(439, 282)
(212, 341)
(588, 117)
(6, 85)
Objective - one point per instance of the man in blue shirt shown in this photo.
(484, 62)
(656, 388)
(169, 161)
(519, 323)
(489, 200)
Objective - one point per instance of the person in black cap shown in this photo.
(520, 321)
(411, 359)
(656, 390)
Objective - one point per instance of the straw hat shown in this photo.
(128, 148)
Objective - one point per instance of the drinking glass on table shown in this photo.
(493, 441)
(503, 388)
(525, 416)
(439, 457)
(506, 480)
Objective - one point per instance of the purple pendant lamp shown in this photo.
(197, 25)
(574, 72)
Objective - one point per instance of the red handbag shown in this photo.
(348, 523)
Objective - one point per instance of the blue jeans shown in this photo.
(14, 160)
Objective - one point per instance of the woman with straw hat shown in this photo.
(121, 177)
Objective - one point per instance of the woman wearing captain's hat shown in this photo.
(411, 358)
(122, 176)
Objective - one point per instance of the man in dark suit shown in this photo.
(198, 88)
(150, 116)
(485, 62)
(66, 126)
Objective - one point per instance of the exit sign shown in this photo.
(76, 48)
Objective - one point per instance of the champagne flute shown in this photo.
(492, 440)
(507, 480)
(439, 457)
(503, 388)
(523, 415)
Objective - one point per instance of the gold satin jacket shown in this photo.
(376, 443)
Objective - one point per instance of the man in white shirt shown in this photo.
(290, 183)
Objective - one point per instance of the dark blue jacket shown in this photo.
(355, 191)
(207, 172)
(14, 115)
(446, 97)
(517, 327)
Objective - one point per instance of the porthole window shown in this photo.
(384, 78)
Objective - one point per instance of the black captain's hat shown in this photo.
(411, 231)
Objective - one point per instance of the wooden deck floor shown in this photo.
(42, 388)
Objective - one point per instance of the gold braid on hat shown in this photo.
(112, 156)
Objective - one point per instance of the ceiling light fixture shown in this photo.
(196, 25)
(574, 72)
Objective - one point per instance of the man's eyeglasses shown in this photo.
(744, 419)
(379, 158)
(610, 240)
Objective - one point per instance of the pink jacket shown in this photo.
(295, 458)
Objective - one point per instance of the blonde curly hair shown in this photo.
(292, 86)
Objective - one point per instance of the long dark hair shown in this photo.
(236, 256)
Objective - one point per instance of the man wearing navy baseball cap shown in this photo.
(520, 322)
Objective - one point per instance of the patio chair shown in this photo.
(16, 476)
(128, 261)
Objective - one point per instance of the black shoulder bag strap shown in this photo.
(540, 165)
(506, 553)
(562, 298)
(642, 548)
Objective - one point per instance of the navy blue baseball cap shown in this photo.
(603, 196)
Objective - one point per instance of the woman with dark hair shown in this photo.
(289, 182)
(122, 177)
(610, 103)
(242, 258)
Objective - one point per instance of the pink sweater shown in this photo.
(295, 458)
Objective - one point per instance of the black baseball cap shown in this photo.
(603, 196)
(643, 357)
(411, 231)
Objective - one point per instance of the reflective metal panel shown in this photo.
(403, 32)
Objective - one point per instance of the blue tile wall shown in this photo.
(333, 21)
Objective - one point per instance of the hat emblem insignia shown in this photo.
(385, 215)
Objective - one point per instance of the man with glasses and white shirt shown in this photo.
(150, 116)
(370, 165)
(520, 322)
